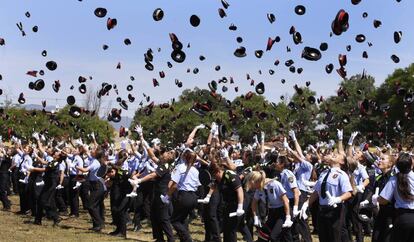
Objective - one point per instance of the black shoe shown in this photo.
(96, 229)
(6, 209)
(137, 228)
(114, 233)
(37, 222)
(22, 212)
(56, 221)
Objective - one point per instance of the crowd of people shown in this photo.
(271, 191)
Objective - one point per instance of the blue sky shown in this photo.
(73, 37)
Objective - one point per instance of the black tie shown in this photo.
(323, 188)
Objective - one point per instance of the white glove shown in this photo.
(288, 222)
(255, 140)
(239, 211)
(93, 135)
(296, 212)
(41, 183)
(302, 214)
(363, 203)
(59, 187)
(224, 153)
(201, 126)
(375, 197)
(257, 222)
(333, 201)
(312, 148)
(165, 199)
(285, 143)
(138, 129)
(35, 135)
(124, 144)
(132, 194)
(360, 188)
(262, 137)
(79, 142)
(77, 185)
(206, 200)
(214, 129)
(42, 137)
(292, 135)
(351, 139)
(340, 134)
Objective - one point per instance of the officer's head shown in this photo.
(405, 165)
(282, 162)
(167, 156)
(216, 171)
(385, 162)
(189, 157)
(335, 159)
(257, 180)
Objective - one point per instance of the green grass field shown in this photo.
(15, 227)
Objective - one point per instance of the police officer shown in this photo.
(119, 189)
(401, 188)
(18, 161)
(229, 185)
(5, 164)
(184, 179)
(160, 212)
(74, 160)
(62, 193)
(303, 172)
(274, 195)
(383, 220)
(97, 191)
(332, 189)
(48, 193)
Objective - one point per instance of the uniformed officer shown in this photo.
(18, 161)
(229, 185)
(383, 220)
(62, 193)
(273, 194)
(74, 160)
(97, 191)
(401, 189)
(184, 179)
(48, 193)
(160, 212)
(5, 164)
(303, 172)
(332, 189)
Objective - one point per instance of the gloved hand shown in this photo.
(205, 200)
(340, 134)
(165, 199)
(79, 142)
(360, 188)
(214, 129)
(333, 201)
(375, 197)
(35, 135)
(77, 185)
(224, 153)
(255, 139)
(351, 139)
(288, 222)
(313, 148)
(285, 143)
(262, 137)
(296, 212)
(239, 211)
(59, 187)
(363, 203)
(201, 126)
(93, 135)
(292, 135)
(302, 214)
(257, 222)
(138, 129)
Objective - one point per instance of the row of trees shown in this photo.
(16, 121)
(382, 114)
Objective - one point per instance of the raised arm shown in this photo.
(297, 146)
(190, 138)
(351, 143)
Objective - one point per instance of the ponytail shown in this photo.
(404, 164)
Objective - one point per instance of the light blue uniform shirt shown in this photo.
(76, 161)
(337, 184)
(62, 167)
(27, 162)
(303, 172)
(274, 192)
(17, 160)
(390, 191)
(360, 174)
(288, 180)
(93, 169)
(186, 181)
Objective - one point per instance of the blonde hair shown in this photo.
(257, 177)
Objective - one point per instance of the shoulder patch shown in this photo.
(335, 176)
(291, 179)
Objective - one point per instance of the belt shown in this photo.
(404, 210)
